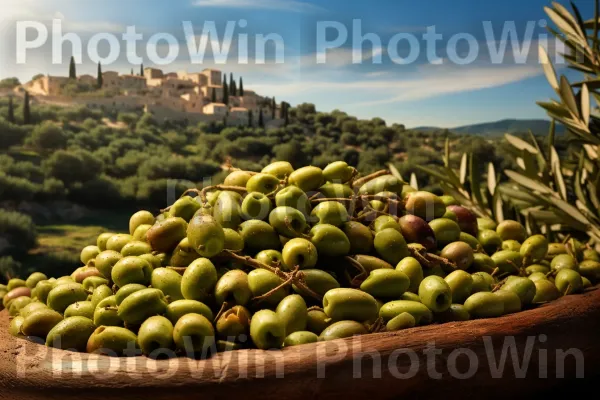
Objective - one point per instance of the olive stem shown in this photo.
(251, 262)
(224, 307)
(293, 276)
(365, 179)
(202, 193)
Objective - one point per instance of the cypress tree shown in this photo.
(11, 111)
(131, 71)
(26, 110)
(241, 87)
(72, 69)
(142, 70)
(225, 91)
(99, 78)
(261, 123)
(214, 96)
(232, 87)
(273, 108)
(250, 118)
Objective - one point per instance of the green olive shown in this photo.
(262, 183)
(165, 235)
(199, 279)
(40, 322)
(511, 245)
(537, 268)
(256, 205)
(300, 337)
(461, 285)
(483, 263)
(287, 221)
(508, 261)
(410, 296)
(511, 301)
(360, 237)
(112, 339)
(307, 178)
(482, 282)
(131, 270)
(386, 283)
(179, 308)
(470, 240)
(385, 183)
(435, 293)
(386, 221)
(490, 240)
(89, 253)
(63, 296)
(103, 239)
(568, 281)
(413, 270)
(456, 312)
(511, 230)
(342, 329)
(449, 200)
(564, 261)
(33, 280)
(106, 314)
(349, 304)
(401, 321)
(80, 309)
(292, 311)
(168, 281)
(143, 304)
(330, 212)
(555, 249)
(227, 211)
(536, 276)
(591, 255)
(338, 171)
(484, 305)
(445, 230)
(233, 288)
(105, 262)
(279, 169)
(42, 289)
(206, 235)
(125, 291)
(185, 207)
(91, 283)
(486, 224)
(330, 240)
(117, 241)
(155, 333)
(72, 333)
(590, 269)
(318, 281)
(272, 258)
(534, 249)
(261, 282)
(81, 273)
(259, 235)
(136, 248)
(299, 252)
(317, 321)
(267, 330)
(523, 287)
(391, 245)
(140, 218)
(238, 178)
(295, 197)
(545, 291)
(419, 311)
(15, 283)
(15, 326)
(234, 323)
(141, 232)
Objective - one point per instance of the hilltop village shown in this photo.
(195, 96)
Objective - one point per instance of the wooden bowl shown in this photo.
(450, 360)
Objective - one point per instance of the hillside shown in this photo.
(498, 128)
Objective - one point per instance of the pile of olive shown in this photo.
(287, 257)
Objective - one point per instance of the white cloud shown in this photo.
(284, 5)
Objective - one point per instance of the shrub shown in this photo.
(16, 189)
(48, 136)
(73, 166)
(9, 83)
(17, 233)
(11, 134)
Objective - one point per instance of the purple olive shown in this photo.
(416, 230)
(465, 218)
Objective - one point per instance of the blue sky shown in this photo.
(448, 93)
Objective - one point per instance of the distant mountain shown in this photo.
(537, 126)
